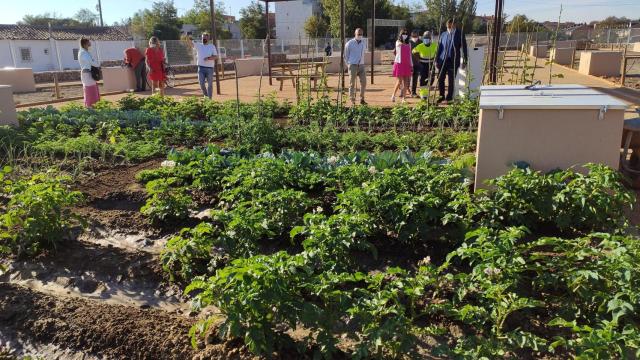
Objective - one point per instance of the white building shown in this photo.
(291, 16)
(45, 49)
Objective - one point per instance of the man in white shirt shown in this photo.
(354, 57)
(207, 55)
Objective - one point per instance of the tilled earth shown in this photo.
(102, 295)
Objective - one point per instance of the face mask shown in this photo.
(152, 45)
(426, 41)
(415, 39)
(404, 37)
(358, 37)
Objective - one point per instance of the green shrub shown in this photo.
(37, 214)
(166, 202)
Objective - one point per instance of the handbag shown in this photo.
(96, 73)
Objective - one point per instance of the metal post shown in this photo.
(342, 40)
(241, 50)
(372, 36)
(623, 75)
(493, 55)
(268, 41)
(214, 39)
(498, 31)
(100, 12)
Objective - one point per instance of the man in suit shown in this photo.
(452, 54)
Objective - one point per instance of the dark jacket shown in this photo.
(452, 53)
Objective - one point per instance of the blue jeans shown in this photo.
(206, 73)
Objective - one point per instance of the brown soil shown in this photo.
(102, 330)
(114, 198)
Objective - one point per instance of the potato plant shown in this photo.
(35, 212)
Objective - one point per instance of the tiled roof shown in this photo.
(28, 32)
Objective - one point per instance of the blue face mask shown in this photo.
(426, 42)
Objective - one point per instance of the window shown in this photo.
(25, 55)
(75, 54)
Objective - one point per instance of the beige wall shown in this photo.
(118, 79)
(21, 79)
(636, 47)
(600, 63)
(562, 56)
(546, 139)
(7, 106)
(251, 67)
(538, 51)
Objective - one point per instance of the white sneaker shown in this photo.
(393, 98)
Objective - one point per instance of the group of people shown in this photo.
(416, 62)
(151, 65)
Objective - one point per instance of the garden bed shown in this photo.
(159, 229)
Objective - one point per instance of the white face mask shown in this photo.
(152, 45)
(404, 37)
(415, 39)
(358, 37)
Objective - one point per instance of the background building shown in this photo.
(291, 16)
(44, 48)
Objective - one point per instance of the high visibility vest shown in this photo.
(427, 53)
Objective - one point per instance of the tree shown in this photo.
(613, 21)
(357, 12)
(161, 20)
(316, 26)
(252, 21)
(48, 18)
(521, 23)
(439, 11)
(86, 17)
(200, 16)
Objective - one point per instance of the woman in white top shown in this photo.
(89, 85)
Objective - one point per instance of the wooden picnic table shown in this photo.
(319, 70)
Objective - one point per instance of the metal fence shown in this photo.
(178, 52)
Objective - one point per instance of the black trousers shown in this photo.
(140, 72)
(426, 74)
(448, 72)
(417, 69)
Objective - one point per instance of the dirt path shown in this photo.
(103, 294)
(99, 330)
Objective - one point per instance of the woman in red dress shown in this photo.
(155, 63)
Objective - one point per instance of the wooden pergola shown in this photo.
(342, 37)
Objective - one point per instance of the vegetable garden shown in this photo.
(155, 228)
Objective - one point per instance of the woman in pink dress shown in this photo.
(154, 56)
(402, 65)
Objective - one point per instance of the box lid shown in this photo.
(562, 96)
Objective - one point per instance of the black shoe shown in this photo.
(440, 99)
(362, 102)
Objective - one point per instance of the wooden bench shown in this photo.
(283, 77)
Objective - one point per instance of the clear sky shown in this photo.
(114, 10)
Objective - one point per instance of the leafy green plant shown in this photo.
(36, 212)
(166, 202)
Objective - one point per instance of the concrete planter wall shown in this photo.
(562, 56)
(539, 51)
(7, 106)
(118, 79)
(600, 63)
(251, 67)
(636, 47)
(21, 79)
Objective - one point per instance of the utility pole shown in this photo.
(214, 39)
(99, 7)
